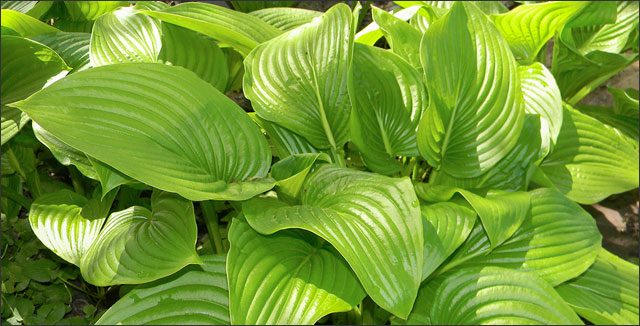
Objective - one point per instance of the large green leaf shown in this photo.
(501, 212)
(72, 47)
(527, 28)
(34, 9)
(291, 172)
(23, 25)
(289, 278)
(623, 123)
(488, 7)
(286, 19)
(591, 160)
(184, 137)
(134, 246)
(91, 10)
(125, 36)
(387, 96)
(475, 112)
(514, 171)
(373, 221)
(577, 74)
(372, 32)
(64, 153)
(27, 66)
(285, 141)
(299, 80)
(607, 293)
(219, 23)
(557, 241)
(606, 37)
(196, 295)
(493, 295)
(403, 38)
(251, 6)
(625, 101)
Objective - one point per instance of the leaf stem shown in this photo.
(211, 221)
(337, 158)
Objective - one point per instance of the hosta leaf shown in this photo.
(625, 124)
(403, 38)
(27, 66)
(10, 183)
(307, 91)
(387, 97)
(91, 10)
(290, 277)
(24, 25)
(109, 177)
(420, 315)
(625, 101)
(34, 9)
(185, 137)
(607, 37)
(72, 47)
(291, 172)
(186, 48)
(57, 219)
(591, 160)
(196, 295)
(219, 23)
(64, 153)
(594, 13)
(557, 241)
(250, 6)
(475, 112)
(372, 32)
(493, 295)
(125, 36)
(150, 5)
(285, 141)
(577, 74)
(286, 19)
(373, 221)
(488, 7)
(607, 293)
(513, 172)
(128, 249)
(501, 212)
(527, 28)
(542, 97)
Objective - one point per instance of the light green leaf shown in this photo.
(488, 7)
(625, 101)
(607, 293)
(285, 141)
(219, 23)
(475, 112)
(91, 10)
(186, 48)
(625, 124)
(577, 74)
(72, 47)
(306, 92)
(196, 295)
(151, 5)
(591, 160)
(13, 184)
(58, 221)
(109, 177)
(288, 278)
(291, 172)
(527, 28)
(594, 13)
(606, 37)
(387, 96)
(34, 9)
(493, 295)
(420, 315)
(513, 172)
(24, 25)
(372, 32)
(125, 36)
(27, 66)
(186, 136)
(64, 153)
(286, 19)
(556, 242)
(403, 38)
(501, 212)
(373, 221)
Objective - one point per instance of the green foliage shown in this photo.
(424, 169)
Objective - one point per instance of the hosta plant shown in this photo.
(424, 169)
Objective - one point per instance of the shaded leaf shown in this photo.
(286, 19)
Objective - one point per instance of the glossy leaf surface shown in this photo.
(286, 19)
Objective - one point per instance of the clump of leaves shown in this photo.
(435, 182)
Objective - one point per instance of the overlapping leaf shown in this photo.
(607, 293)
(625, 101)
(291, 172)
(72, 47)
(403, 38)
(591, 160)
(493, 295)
(194, 295)
(23, 25)
(306, 91)
(475, 113)
(219, 23)
(387, 97)
(372, 32)
(91, 10)
(34, 9)
(290, 277)
(373, 221)
(286, 19)
(184, 137)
